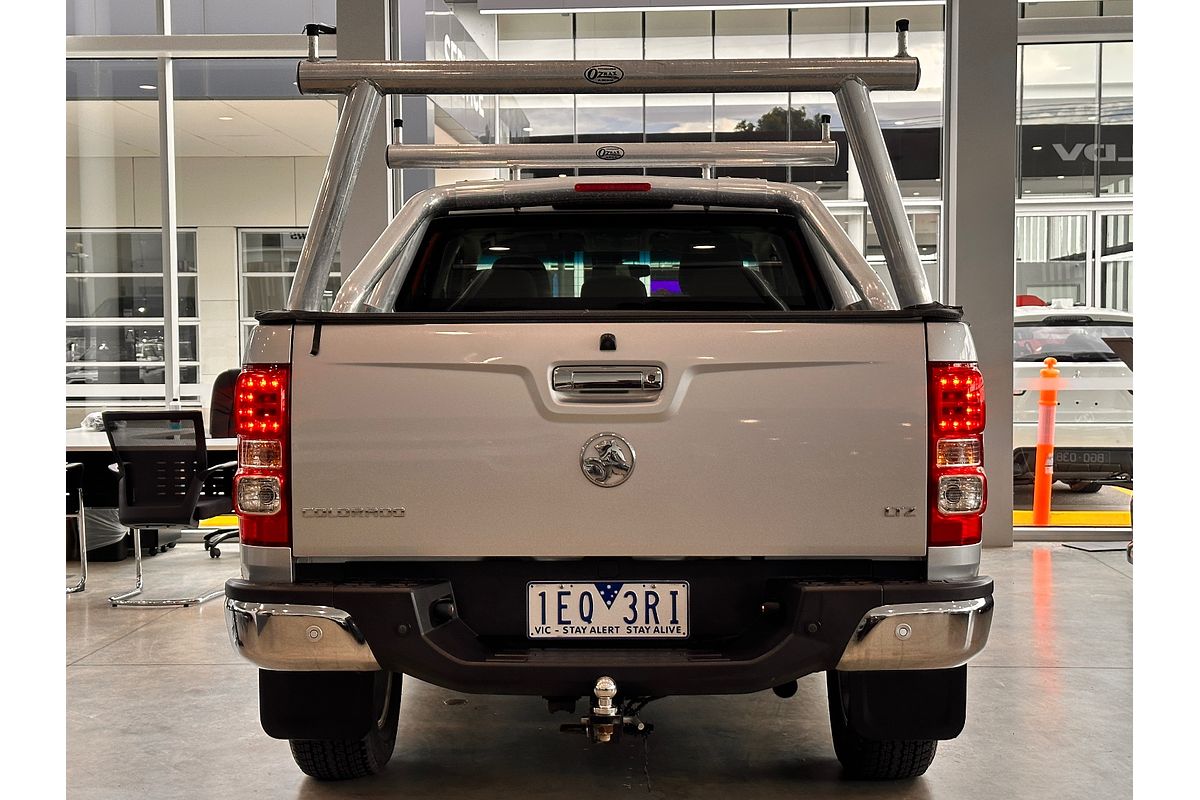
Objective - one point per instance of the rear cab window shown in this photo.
(606, 259)
(1068, 342)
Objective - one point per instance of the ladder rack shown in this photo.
(365, 82)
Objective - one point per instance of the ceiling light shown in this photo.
(704, 247)
(1060, 177)
(225, 119)
(147, 86)
(1037, 147)
(899, 122)
(820, 182)
(916, 194)
(527, 129)
(496, 248)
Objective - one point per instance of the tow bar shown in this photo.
(607, 721)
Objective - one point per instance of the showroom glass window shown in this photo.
(536, 118)
(609, 117)
(761, 117)
(104, 17)
(1074, 232)
(115, 338)
(249, 154)
(267, 259)
(824, 33)
(679, 117)
(115, 335)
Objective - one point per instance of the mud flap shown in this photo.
(907, 704)
(318, 705)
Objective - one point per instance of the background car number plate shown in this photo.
(608, 610)
(1075, 456)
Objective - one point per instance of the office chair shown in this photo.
(163, 464)
(75, 511)
(220, 426)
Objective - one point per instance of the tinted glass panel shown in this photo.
(635, 260)
(1067, 342)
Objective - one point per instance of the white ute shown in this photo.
(611, 438)
(1093, 427)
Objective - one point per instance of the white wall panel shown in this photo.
(242, 191)
(308, 181)
(100, 192)
(147, 194)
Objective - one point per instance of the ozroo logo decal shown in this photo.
(610, 153)
(603, 74)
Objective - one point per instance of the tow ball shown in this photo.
(608, 721)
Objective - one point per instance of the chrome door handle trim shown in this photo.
(604, 382)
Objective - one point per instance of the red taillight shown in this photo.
(957, 485)
(956, 399)
(260, 490)
(612, 187)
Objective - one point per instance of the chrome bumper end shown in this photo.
(284, 636)
(919, 636)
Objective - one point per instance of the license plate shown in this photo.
(1083, 457)
(608, 610)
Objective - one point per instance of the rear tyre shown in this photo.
(873, 759)
(343, 759)
(1084, 487)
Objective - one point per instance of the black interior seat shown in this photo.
(608, 284)
(716, 273)
(505, 285)
(529, 266)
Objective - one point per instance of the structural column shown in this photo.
(980, 205)
(415, 110)
(170, 235)
(365, 31)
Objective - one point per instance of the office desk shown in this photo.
(91, 449)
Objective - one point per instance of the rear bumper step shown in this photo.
(404, 627)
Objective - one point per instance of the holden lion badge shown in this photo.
(607, 460)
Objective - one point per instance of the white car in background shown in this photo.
(1093, 432)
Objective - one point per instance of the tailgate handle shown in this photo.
(600, 383)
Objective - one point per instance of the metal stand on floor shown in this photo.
(78, 516)
(122, 600)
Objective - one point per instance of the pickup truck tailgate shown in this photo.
(766, 439)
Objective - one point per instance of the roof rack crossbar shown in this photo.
(850, 79)
(622, 154)
(894, 73)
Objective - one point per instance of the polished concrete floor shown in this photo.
(158, 706)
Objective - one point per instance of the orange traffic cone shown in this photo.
(1043, 469)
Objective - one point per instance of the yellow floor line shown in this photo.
(223, 521)
(1123, 489)
(1087, 519)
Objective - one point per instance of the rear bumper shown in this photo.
(1093, 464)
(1102, 435)
(815, 626)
